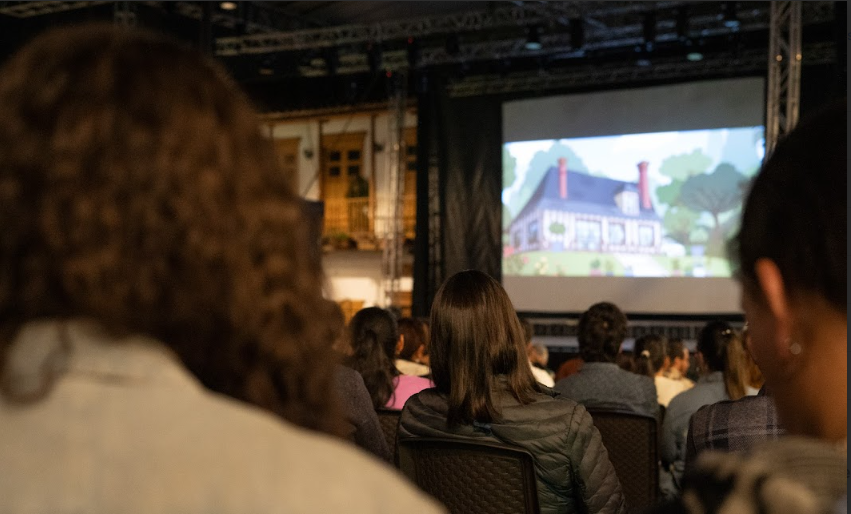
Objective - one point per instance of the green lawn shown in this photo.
(544, 263)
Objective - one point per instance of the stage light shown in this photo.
(228, 6)
(694, 56)
(649, 31)
(533, 41)
(577, 33)
(453, 44)
(413, 52)
(332, 60)
(731, 19)
(682, 24)
(373, 57)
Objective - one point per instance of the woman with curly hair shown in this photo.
(152, 265)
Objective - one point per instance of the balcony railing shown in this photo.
(353, 216)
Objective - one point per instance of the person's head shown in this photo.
(538, 353)
(137, 190)
(679, 356)
(413, 334)
(374, 338)
(712, 344)
(791, 256)
(476, 342)
(601, 330)
(651, 355)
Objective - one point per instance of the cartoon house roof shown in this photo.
(573, 191)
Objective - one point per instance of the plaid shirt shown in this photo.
(732, 426)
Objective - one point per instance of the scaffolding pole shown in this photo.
(394, 235)
(784, 72)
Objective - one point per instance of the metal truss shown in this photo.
(608, 24)
(30, 9)
(752, 61)
(784, 72)
(394, 236)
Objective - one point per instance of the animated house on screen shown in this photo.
(641, 205)
(575, 211)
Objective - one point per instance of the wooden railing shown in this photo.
(353, 216)
(350, 216)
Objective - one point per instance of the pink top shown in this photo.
(404, 387)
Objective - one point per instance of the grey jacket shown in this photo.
(604, 385)
(573, 469)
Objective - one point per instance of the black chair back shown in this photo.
(389, 419)
(467, 476)
(631, 441)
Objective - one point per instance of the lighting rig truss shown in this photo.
(784, 71)
(750, 61)
(607, 25)
(30, 9)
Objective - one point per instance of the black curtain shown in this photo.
(463, 138)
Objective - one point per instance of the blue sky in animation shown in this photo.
(617, 156)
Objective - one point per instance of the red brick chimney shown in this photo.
(643, 185)
(562, 177)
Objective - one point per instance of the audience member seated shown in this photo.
(732, 426)
(540, 373)
(413, 357)
(748, 374)
(154, 284)
(485, 392)
(539, 356)
(791, 254)
(712, 344)
(601, 383)
(375, 343)
(680, 363)
(653, 361)
(569, 367)
(360, 421)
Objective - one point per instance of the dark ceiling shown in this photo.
(307, 54)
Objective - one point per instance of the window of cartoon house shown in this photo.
(533, 232)
(617, 234)
(629, 203)
(645, 235)
(588, 235)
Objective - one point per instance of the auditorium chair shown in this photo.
(389, 419)
(467, 477)
(632, 443)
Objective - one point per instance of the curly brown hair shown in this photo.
(137, 189)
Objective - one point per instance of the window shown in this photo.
(335, 156)
(617, 234)
(645, 235)
(353, 170)
(532, 232)
(518, 239)
(588, 235)
(353, 155)
(629, 203)
(334, 171)
(412, 150)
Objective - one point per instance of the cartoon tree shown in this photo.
(509, 164)
(715, 193)
(683, 166)
(541, 162)
(680, 168)
(679, 222)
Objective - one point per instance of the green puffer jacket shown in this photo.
(573, 469)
